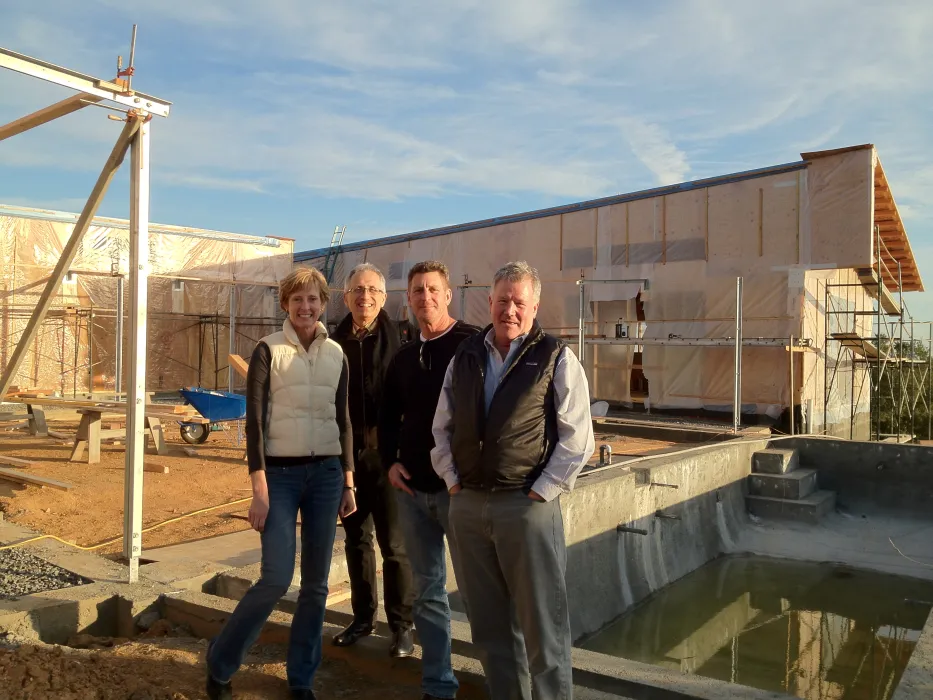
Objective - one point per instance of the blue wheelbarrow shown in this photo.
(215, 406)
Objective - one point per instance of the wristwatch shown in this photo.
(349, 488)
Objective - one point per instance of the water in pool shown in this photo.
(816, 631)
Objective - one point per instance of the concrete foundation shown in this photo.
(690, 503)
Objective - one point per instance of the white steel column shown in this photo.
(737, 395)
(136, 376)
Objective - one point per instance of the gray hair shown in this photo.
(518, 272)
(363, 267)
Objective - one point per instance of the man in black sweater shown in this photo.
(369, 339)
(412, 385)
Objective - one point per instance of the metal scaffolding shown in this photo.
(880, 349)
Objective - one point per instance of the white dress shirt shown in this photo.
(575, 441)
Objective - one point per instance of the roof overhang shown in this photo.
(895, 247)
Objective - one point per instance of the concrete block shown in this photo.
(772, 461)
(798, 484)
(806, 510)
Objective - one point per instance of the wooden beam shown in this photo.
(43, 116)
(239, 364)
(33, 480)
(15, 461)
(69, 252)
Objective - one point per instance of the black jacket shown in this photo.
(412, 386)
(509, 447)
(368, 360)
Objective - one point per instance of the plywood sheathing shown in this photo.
(884, 214)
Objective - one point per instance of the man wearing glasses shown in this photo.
(370, 339)
(413, 384)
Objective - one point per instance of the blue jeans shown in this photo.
(423, 520)
(314, 489)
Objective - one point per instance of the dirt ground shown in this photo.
(92, 511)
(170, 668)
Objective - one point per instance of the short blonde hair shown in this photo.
(300, 278)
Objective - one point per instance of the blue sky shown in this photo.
(292, 116)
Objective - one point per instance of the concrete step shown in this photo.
(774, 461)
(806, 510)
(798, 484)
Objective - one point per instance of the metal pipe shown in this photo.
(129, 78)
(900, 351)
(90, 351)
(737, 395)
(792, 402)
(118, 381)
(581, 341)
(232, 339)
(665, 516)
(633, 530)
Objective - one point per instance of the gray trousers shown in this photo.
(512, 564)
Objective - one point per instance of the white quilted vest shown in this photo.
(302, 416)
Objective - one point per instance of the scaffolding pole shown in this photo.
(231, 342)
(737, 388)
(118, 354)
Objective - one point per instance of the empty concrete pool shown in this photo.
(815, 631)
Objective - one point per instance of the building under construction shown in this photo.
(646, 287)
(209, 294)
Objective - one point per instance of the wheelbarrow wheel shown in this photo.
(195, 433)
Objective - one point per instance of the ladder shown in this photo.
(330, 262)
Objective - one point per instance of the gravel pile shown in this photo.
(22, 573)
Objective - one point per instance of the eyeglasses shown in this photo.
(421, 361)
(373, 291)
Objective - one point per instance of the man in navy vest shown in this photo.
(512, 432)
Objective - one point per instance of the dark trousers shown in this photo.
(377, 513)
(513, 562)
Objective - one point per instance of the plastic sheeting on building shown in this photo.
(192, 272)
(787, 231)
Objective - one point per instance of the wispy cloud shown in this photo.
(555, 98)
(655, 149)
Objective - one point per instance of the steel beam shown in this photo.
(103, 89)
(43, 116)
(136, 375)
(68, 253)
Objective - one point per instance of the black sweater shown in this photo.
(367, 360)
(409, 401)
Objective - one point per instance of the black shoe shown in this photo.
(353, 633)
(303, 694)
(217, 690)
(403, 643)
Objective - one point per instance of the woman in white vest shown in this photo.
(300, 455)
